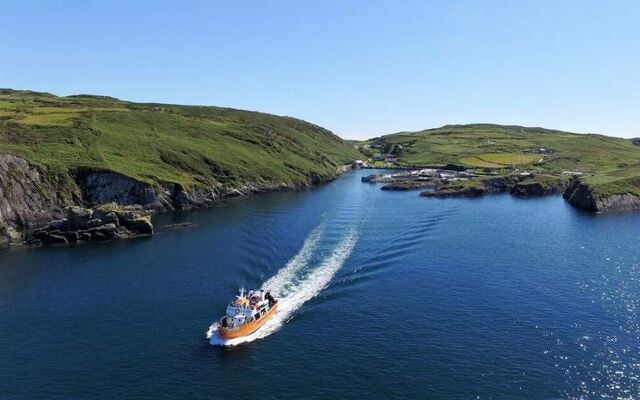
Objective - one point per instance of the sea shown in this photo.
(383, 295)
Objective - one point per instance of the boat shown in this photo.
(247, 313)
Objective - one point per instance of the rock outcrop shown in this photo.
(537, 188)
(100, 187)
(470, 191)
(619, 202)
(408, 185)
(492, 185)
(107, 222)
(583, 196)
(27, 199)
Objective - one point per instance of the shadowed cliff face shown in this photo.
(27, 199)
(581, 195)
(100, 187)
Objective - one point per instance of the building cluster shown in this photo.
(441, 173)
(426, 174)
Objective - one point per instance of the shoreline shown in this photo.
(79, 223)
(445, 183)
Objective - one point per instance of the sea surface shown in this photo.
(384, 295)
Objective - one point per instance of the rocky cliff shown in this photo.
(33, 209)
(27, 199)
(585, 196)
(101, 205)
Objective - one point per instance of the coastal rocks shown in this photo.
(500, 183)
(78, 216)
(99, 187)
(538, 188)
(583, 196)
(580, 195)
(531, 189)
(142, 226)
(479, 188)
(54, 239)
(182, 199)
(27, 199)
(72, 237)
(619, 202)
(139, 224)
(516, 185)
(471, 191)
(408, 185)
(178, 225)
(84, 225)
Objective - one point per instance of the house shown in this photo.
(467, 174)
(538, 150)
(444, 174)
(427, 172)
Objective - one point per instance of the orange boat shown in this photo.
(247, 313)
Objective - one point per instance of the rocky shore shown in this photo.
(106, 222)
(586, 197)
(537, 188)
(462, 183)
(475, 188)
(575, 191)
(98, 205)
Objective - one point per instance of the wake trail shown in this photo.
(300, 280)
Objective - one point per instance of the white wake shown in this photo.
(296, 283)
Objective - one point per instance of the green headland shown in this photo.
(188, 145)
(604, 166)
(57, 153)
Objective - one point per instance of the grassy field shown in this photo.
(188, 145)
(611, 165)
(500, 160)
(506, 145)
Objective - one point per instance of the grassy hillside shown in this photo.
(610, 165)
(189, 145)
(496, 146)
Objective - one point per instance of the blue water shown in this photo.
(388, 296)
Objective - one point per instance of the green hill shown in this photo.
(66, 159)
(498, 146)
(609, 166)
(191, 146)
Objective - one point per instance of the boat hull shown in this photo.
(249, 327)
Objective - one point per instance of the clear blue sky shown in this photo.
(359, 68)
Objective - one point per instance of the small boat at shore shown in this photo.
(247, 313)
